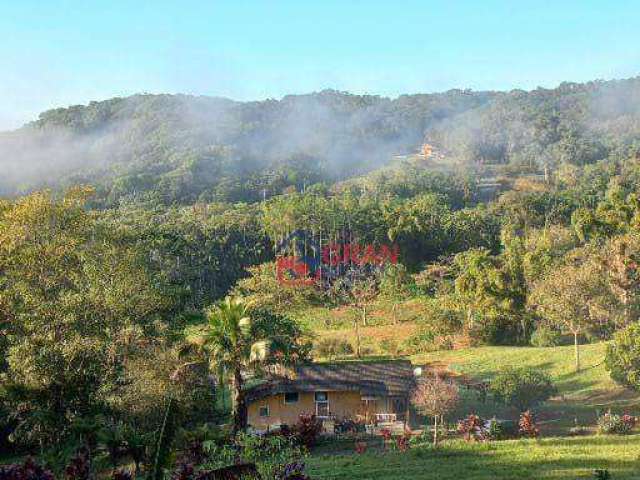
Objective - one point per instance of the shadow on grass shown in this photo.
(589, 441)
(495, 461)
(574, 382)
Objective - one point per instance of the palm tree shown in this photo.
(229, 344)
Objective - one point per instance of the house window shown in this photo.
(322, 404)
(291, 397)
(264, 411)
(321, 397)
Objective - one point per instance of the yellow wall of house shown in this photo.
(341, 405)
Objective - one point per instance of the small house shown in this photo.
(367, 392)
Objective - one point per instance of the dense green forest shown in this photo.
(182, 149)
(111, 281)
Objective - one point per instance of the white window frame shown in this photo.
(260, 411)
(323, 402)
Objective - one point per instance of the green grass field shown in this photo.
(548, 458)
(484, 362)
(582, 395)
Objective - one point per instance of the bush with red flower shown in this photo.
(472, 428)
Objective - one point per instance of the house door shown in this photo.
(398, 406)
(322, 404)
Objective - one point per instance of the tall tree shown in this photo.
(621, 258)
(478, 284)
(358, 293)
(574, 298)
(395, 286)
(64, 281)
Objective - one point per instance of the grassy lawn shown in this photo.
(548, 458)
(484, 362)
(323, 320)
(581, 394)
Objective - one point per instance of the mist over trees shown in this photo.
(177, 148)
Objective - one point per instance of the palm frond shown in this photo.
(259, 351)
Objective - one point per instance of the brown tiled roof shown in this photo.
(388, 378)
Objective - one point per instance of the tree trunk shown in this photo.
(394, 313)
(576, 344)
(239, 403)
(626, 311)
(546, 173)
(355, 323)
(364, 315)
(435, 430)
(523, 326)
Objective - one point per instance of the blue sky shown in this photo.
(58, 53)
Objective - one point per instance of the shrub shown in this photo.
(349, 426)
(545, 336)
(293, 471)
(390, 347)
(424, 438)
(610, 423)
(385, 433)
(472, 428)
(420, 342)
(79, 467)
(360, 447)
(333, 347)
(427, 341)
(523, 388)
(436, 330)
(601, 475)
(527, 425)
(29, 470)
(622, 359)
(183, 471)
(499, 430)
(194, 443)
(122, 475)
(270, 454)
(403, 442)
(307, 430)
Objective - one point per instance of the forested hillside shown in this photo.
(140, 293)
(176, 148)
(183, 149)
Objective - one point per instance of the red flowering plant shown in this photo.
(385, 433)
(472, 428)
(360, 447)
(308, 429)
(611, 423)
(629, 420)
(402, 442)
(527, 425)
